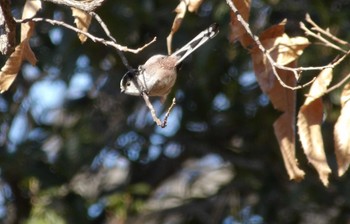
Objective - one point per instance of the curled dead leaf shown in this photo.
(283, 99)
(30, 9)
(288, 49)
(82, 20)
(181, 8)
(13, 64)
(284, 132)
(319, 87)
(282, 49)
(309, 125)
(341, 133)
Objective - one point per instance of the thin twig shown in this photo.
(153, 111)
(92, 37)
(334, 63)
(260, 46)
(340, 83)
(272, 62)
(103, 25)
(86, 6)
(326, 33)
(165, 121)
(320, 38)
(108, 33)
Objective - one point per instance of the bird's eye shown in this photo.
(128, 83)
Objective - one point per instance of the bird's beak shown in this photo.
(122, 90)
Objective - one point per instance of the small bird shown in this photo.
(158, 75)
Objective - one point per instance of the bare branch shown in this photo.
(108, 33)
(335, 86)
(92, 37)
(320, 38)
(296, 71)
(153, 111)
(324, 32)
(334, 63)
(86, 5)
(168, 112)
(260, 46)
(103, 25)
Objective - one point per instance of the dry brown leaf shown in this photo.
(283, 99)
(319, 87)
(262, 68)
(181, 8)
(180, 14)
(82, 20)
(309, 125)
(284, 131)
(13, 64)
(282, 49)
(288, 49)
(311, 138)
(237, 30)
(341, 133)
(30, 9)
(273, 31)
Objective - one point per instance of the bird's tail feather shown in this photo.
(196, 42)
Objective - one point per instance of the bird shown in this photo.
(157, 75)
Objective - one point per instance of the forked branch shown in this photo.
(160, 123)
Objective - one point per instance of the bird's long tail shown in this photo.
(196, 42)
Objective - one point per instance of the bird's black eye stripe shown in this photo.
(129, 76)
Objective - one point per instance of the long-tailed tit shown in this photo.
(157, 76)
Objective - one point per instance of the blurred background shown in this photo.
(73, 149)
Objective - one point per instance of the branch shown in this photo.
(7, 29)
(273, 63)
(108, 33)
(168, 112)
(262, 48)
(153, 111)
(92, 37)
(320, 38)
(335, 86)
(324, 32)
(85, 5)
(103, 25)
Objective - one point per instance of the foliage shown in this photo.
(76, 150)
